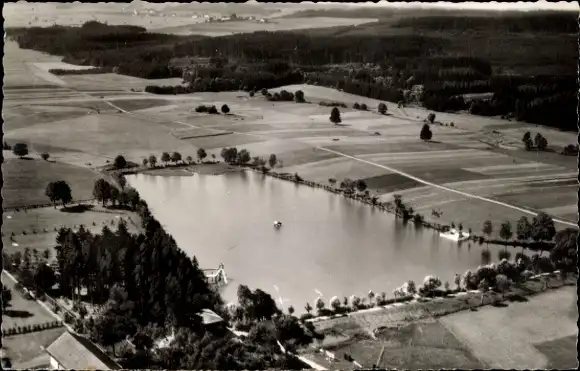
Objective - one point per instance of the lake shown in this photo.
(327, 244)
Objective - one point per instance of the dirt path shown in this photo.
(419, 180)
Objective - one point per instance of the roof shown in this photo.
(76, 352)
(209, 317)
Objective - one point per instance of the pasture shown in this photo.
(444, 334)
(25, 180)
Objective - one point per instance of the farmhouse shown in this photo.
(73, 351)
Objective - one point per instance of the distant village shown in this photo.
(208, 18)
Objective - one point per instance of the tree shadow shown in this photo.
(18, 313)
(517, 298)
(76, 209)
(499, 304)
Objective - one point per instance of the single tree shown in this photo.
(356, 105)
(505, 232)
(264, 91)
(50, 192)
(45, 156)
(529, 144)
(213, 110)
(363, 107)
(145, 162)
(426, 133)
(165, 157)
(543, 228)
(46, 254)
(120, 162)
(225, 109)
(6, 297)
(483, 288)
(299, 96)
(63, 192)
(332, 181)
(102, 191)
(335, 116)
(189, 159)
(319, 304)
(457, 281)
(291, 310)
(502, 284)
(201, 154)
(527, 136)
(431, 117)
(244, 157)
(115, 195)
(272, 160)
(487, 230)
(308, 308)
(176, 157)
(361, 185)
(152, 160)
(523, 230)
(252, 93)
(537, 139)
(382, 108)
(20, 149)
(542, 144)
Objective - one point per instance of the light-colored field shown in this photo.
(44, 220)
(22, 312)
(503, 338)
(464, 158)
(174, 19)
(246, 26)
(26, 352)
(25, 180)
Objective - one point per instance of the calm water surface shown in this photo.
(327, 244)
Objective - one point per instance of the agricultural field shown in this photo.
(441, 334)
(385, 150)
(525, 341)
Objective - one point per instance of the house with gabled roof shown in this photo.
(76, 352)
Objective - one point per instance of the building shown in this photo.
(73, 351)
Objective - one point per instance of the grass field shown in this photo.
(504, 338)
(26, 352)
(22, 312)
(45, 220)
(25, 180)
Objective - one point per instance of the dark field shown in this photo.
(25, 181)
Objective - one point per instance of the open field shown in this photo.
(45, 220)
(25, 180)
(175, 19)
(415, 335)
(25, 351)
(522, 338)
(23, 312)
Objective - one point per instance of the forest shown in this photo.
(386, 66)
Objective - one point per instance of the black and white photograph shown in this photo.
(287, 186)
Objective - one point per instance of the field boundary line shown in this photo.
(465, 194)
